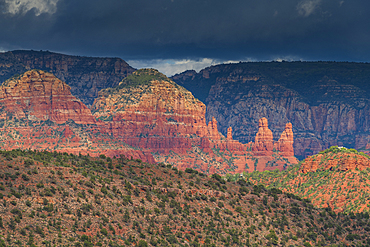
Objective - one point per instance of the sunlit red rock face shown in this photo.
(285, 143)
(158, 115)
(39, 112)
(263, 144)
(38, 95)
(147, 116)
(85, 75)
(163, 117)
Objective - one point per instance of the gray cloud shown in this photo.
(193, 29)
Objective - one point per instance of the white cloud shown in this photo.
(23, 6)
(171, 67)
(308, 7)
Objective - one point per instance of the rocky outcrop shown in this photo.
(39, 112)
(149, 111)
(285, 143)
(229, 133)
(263, 144)
(158, 115)
(85, 75)
(326, 102)
(213, 130)
(147, 116)
(38, 95)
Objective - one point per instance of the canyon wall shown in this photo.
(147, 116)
(159, 115)
(38, 111)
(326, 102)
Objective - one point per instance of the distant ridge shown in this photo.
(327, 102)
(85, 75)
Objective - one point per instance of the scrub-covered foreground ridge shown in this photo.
(60, 199)
(337, 178)
(147, 116)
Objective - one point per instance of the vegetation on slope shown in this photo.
(343, 190)
(138, 79)
(57, 199)
(142, 77)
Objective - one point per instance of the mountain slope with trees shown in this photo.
(57, 199)
(336, 178)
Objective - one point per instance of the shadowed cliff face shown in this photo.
(327, 103)
(85, 75)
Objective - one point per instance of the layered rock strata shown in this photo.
(39, 112)
(147, 116)
(263, 143)
(285, 143)
(38, 95)
(327, 102)
(159, 115)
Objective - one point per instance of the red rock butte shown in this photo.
(285, 143)
(263, 144)
(32, 99)
(38, 95)
(165, 118)
(147, 116)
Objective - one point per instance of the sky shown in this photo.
(176, 35)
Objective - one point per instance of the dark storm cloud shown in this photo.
(153, 29)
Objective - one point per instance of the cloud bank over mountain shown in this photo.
(219, 30)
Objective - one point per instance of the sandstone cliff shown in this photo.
(263, 144)
(148, 110)
(39, 112)
(85, 75)
(147, 116)
(327, 103)
(286, 141)
(157, 114)
(38, 95)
